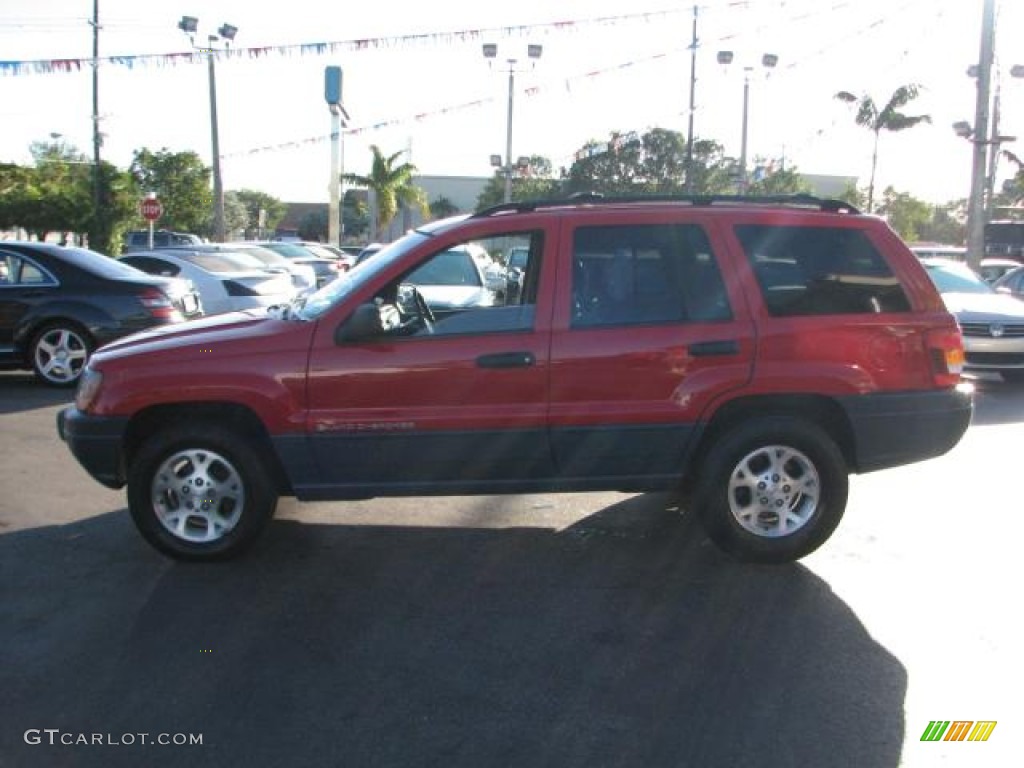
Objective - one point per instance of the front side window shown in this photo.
(644, 275)
(820, 271)
(485, 285)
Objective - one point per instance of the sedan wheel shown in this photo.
(59, 355)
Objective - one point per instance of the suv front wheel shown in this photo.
(771, 490)
(200, 493)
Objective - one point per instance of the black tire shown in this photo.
(768, 466)
(221, 475)
(59, 352)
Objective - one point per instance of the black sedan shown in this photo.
(59, 304)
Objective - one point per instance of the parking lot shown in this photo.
(549, 630)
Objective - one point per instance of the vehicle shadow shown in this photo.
(624, 640)
(22, 391)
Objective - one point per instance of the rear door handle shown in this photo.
(714, 348)
(506, 360)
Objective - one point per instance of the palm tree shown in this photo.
(392, 185)
(888, 118)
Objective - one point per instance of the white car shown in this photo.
(992, 323)
(226, 281)
(302, 275)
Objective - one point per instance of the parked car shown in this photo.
(138, 239)
(939, 251)
(368, 251)
(302, 275)
(323, 262)
(452, 282)
(992, 322)
(748, 355)
(1011, 283)
(226, 281)
(991, 269)
(57, 305)
(344, 255)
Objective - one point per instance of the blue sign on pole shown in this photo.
(332, 85)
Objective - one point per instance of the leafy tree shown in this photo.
(355, 217)
(854, 196)
(654, 163)
(182, 183)
(254, 202)
(906, 214)
(314, 226)
(534, 182)
(1010, 201)
(118, 209)
(948, 224)
(236, 215)
(442, 208)
(781, 181)
(888, 118)
(391, 183)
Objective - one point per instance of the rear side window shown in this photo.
(645, 275)
(820, 271)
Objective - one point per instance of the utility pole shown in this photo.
(96, 139)
(976, 202)
(693, 105)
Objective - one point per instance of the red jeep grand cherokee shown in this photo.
(750, 353)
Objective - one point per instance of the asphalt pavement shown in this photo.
(550, 630)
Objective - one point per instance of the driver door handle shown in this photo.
(506, 360)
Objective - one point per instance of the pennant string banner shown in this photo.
(530, 91)
(48, 66)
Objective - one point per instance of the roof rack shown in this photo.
(827, 205)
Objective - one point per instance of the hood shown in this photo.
(215, 329)
(981, 307)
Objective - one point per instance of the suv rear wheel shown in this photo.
(771, 490)
(200, 493)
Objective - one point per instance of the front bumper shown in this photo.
(96, 442)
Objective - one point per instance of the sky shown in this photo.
(418, 82)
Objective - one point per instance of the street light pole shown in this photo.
(743, 133)
(490, 51)
(227, 32)
(508, 130)
(218, 184)
(768, 61)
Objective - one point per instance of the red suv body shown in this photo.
(750, 355)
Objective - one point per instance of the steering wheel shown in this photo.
(425, 312)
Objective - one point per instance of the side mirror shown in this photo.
(365, 323)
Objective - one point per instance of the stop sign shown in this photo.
(151, 209)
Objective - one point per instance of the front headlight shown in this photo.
(88, 388)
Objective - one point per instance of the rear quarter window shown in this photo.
(820, 271)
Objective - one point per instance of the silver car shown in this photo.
(992, 323)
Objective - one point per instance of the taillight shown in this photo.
(946, 352)
(158, 304)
